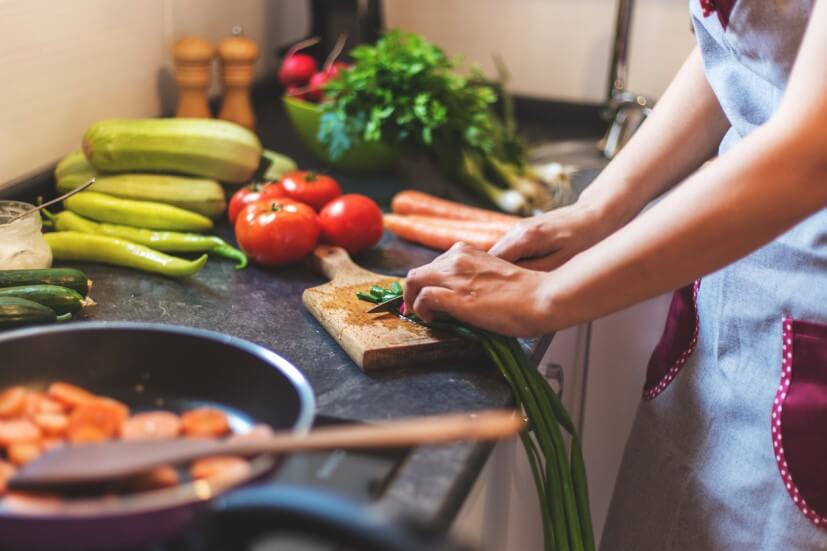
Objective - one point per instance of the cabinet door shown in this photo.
(619, 350)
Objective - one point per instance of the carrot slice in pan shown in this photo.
(101, 415)
(225, 469)
(69, 394)
(6, 472)
(151, 425)
(205, 422)
(12, 401)
(159, 477)
(40, 402)
(18, 430)
(21, 453)
(52, 424)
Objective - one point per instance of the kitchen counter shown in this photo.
(264, 306)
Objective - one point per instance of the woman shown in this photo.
(729, 448)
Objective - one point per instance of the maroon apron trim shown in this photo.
(663, 353)
(792, 331)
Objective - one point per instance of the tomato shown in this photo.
(353, 222)
(277, 231)
(251, 194)
(311, 188)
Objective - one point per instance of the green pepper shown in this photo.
(164, 241)
(141, 214)
(87, 247)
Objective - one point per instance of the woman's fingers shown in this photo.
(545, 263)
(431, 300)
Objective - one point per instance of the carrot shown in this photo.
(159, 477)
(18, 430)
(21, 453)
(6, 472)
(52, 424)
(39, 402)
(12, 401)
(151, 425)
(223, 469)
(69, 395)
(417, 202)
(482, 226)
(104, 415)
(438, 236)
(21, 502)
(205, 422)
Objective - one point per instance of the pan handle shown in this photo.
(242, 515)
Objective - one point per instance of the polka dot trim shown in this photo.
(777, 439)
(653, 392)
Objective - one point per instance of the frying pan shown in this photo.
(147, 366)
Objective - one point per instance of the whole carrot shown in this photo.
(491, 226)
(438, 236)
(417, 202)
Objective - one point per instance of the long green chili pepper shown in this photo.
(164, 241)
(141, 214)
(560, 477)
(86, 247)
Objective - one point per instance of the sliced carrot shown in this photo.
(439, 237)
(151, 425)
(39, 402)
(20, 502)
(6, 472)
(159, 477)
(12, 401)
(69, 394)
(52, 424)
(87, 434)
(18, 430)
(205, 422)
(21, 453)
(103, 414)
(223, 469)
(417, 202)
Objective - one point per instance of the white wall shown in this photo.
(554, 48)
(67, 63)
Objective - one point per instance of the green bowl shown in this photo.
(365, 157)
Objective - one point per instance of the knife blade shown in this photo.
(388, 305)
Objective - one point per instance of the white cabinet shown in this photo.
(604, 365)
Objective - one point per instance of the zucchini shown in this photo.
(63, 277)
(274, 166)
(19, 311)
(60, 299)
(211, 148)
(201, 195)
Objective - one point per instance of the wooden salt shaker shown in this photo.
(238, 55)
(193, 58)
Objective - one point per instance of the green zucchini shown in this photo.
(210, 148)
(19, 311)
(60, 299)
(63, 277)
(201, 195)
(274, 166)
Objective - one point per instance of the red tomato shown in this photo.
(277, 231)
(251, 194)
(311, 188)
(353, 222)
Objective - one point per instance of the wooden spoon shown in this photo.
(81, 465)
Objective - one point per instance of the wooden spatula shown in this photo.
(73, 466)
(373, 340)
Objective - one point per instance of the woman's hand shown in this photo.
(481, 290)
(547, 241)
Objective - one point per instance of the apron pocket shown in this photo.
(677, 342)
(799, 417)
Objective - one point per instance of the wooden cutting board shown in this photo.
(373, 341)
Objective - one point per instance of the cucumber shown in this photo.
(60, 299)
(201, 195)
(210, 148)
(63, 277)
(19, 311)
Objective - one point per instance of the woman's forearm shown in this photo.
(682, 133)
(763, 186)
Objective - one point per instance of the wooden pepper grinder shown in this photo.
(238, 56)
(193, 59)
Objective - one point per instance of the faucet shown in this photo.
(624, 109)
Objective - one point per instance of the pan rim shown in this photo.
(181, 495)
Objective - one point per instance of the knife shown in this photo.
(391, 305)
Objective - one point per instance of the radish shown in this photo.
(331, 70)
(297, 69)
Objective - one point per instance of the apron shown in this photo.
(729, 447)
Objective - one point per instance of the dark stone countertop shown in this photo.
(264, 306)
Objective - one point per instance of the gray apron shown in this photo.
(729, 447)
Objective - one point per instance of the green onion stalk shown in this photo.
(559, 475)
